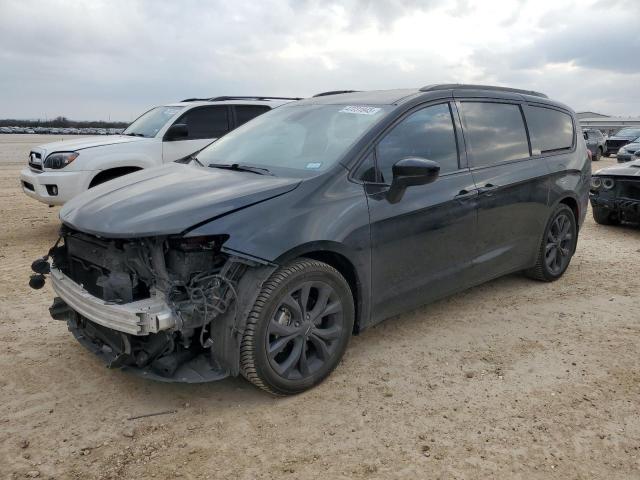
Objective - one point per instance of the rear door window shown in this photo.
(550, 130)
(206, 122)
(494, 132)
(427, 133)
(244, 113)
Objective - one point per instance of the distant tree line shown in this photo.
(61, 122)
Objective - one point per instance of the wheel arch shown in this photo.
(111, 173)
(339, 257)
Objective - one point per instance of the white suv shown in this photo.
(60, 170)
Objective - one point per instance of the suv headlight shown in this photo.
(608, 183)
(596, 183)
(60, 160)
(621, 150)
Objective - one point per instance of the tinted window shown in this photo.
(550, 130)
(244, 113)
(206, 122)
(427, 133)
(494, 132)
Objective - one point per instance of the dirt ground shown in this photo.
(513, 379)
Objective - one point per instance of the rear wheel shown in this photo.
(298, 329)
(557, 246)
(604, 216)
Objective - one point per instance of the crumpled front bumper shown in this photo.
(141, 317)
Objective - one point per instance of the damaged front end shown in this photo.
(170, 308)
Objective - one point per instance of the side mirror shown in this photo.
(410, 172)
(177, 131)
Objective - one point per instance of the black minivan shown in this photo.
(313, 222)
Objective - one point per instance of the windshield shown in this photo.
(149, 124)
(297, 140)
(629, 132)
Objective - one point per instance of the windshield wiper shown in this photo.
(134, 134)
(241, 168)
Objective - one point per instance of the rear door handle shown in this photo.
(488, 189)
(464, 193)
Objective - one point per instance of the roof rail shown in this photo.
(463, 86)
(334, 92)
(250, 97)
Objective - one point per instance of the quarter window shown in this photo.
(427, 133)
(494, 132)
(206, 122)
(550, 130)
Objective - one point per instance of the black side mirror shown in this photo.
(410, 172)
(177, 131)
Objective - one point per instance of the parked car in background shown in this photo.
(314, 221)
(620, 139)
(59, 171)
(595, 142)
(630, 151)
(615, 194)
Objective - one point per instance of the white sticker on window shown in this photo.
(313, 166)
(360, 110)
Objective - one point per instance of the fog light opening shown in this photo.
(52, 190)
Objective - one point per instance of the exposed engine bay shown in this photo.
(167, 307)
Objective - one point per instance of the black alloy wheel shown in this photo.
(298, 329)
(558, 245)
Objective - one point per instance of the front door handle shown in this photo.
(487, 189)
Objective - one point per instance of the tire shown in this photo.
(284, 349)
(598, 154)
(604, 216)
(560, 236)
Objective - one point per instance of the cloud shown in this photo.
(116, 58)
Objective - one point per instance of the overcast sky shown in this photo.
(115, 58)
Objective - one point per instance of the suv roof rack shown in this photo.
(334, 92)
(464, 86)
(233, 97)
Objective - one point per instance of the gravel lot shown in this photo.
(513, 379)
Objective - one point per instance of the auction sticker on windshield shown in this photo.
(360, 110)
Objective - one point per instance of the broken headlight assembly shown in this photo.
(60, 160)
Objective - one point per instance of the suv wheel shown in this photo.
(298, 329)
(604, 216)
(557, 247)
(598, 154)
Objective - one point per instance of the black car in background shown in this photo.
(595, 142)
(315, 221)
(620, 139)
(615, 194)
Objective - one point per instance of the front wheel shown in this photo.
(598, 154)
(557, 247)
(298, 329)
